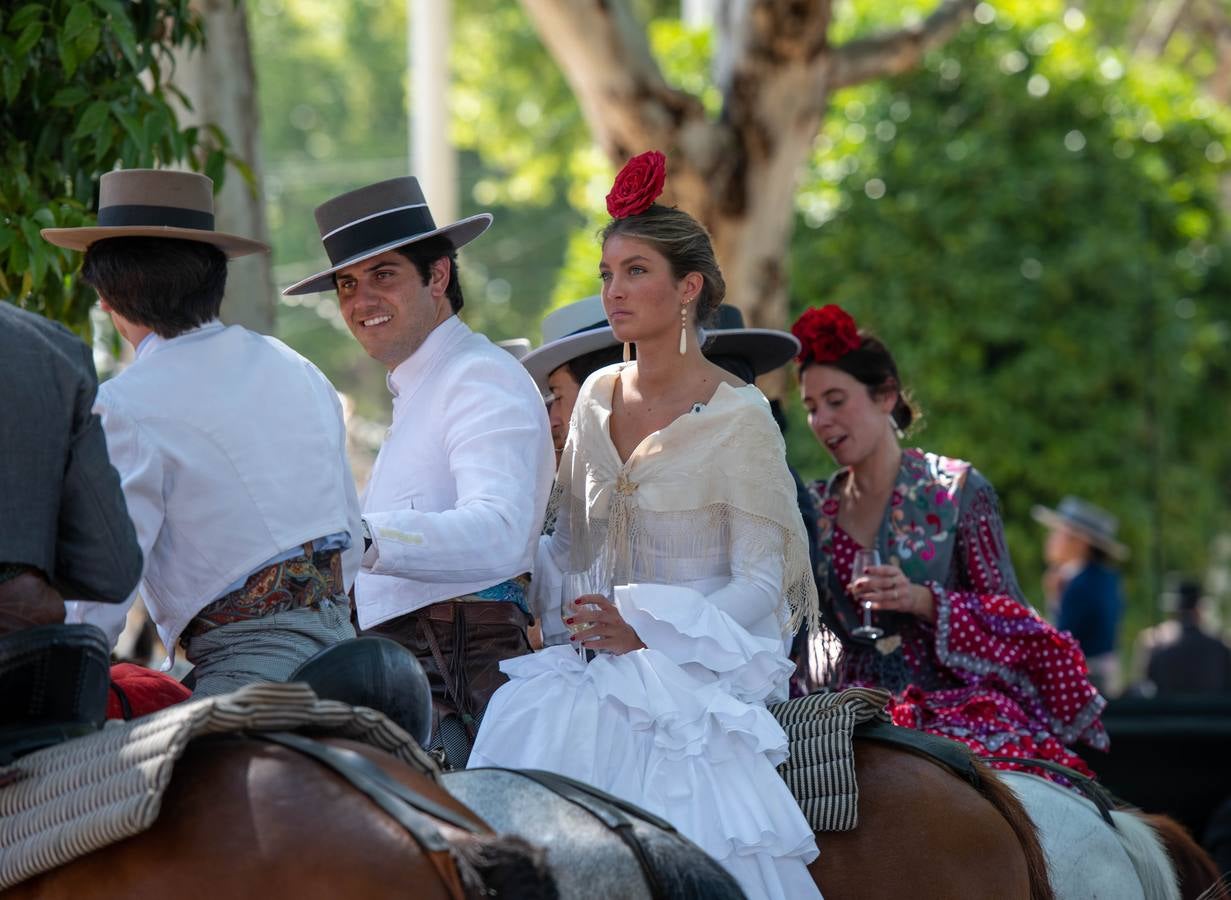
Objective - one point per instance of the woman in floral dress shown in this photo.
(963, 652)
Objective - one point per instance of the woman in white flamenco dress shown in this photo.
(698, 531)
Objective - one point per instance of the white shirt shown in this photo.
(457, 496)
(231, 450)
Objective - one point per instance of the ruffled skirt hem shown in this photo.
(640, 727)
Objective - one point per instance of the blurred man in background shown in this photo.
(1180, 656)
(1081, 584)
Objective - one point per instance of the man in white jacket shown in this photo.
(231, 447)
(457, 495)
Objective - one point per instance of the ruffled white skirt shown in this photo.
(665, 728)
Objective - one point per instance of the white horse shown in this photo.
(1086, 857)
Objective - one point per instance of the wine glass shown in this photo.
(864, 560)
(579, 584)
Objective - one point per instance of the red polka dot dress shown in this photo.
(989, 672)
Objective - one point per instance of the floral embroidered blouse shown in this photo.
(989, 672)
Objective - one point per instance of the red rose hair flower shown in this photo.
(826, 334)
(638, 185)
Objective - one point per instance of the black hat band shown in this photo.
(397, 224)
(128, 215)
(602, 323)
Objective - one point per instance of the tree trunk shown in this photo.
(221, 85)
(737, 173)
(433, 158)
(751, 223)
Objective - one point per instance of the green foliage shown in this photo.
(1035, 227)
(83, 90)
(347, 125)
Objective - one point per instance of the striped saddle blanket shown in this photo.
(821, 768)
(68, 800)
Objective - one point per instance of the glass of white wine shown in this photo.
(582, 584)
(864, 560)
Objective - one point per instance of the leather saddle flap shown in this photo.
(64, 801)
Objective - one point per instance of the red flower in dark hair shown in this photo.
(638, 185)
(827, 334)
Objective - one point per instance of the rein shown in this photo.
(1102, 798)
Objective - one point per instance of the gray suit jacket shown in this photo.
(61, 508)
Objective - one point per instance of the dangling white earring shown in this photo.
(628, 351)
(683, 328)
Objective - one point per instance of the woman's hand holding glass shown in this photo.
(591, 617)
(597, 625)
(885, 588)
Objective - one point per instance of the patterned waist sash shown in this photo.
(303, 581)
(512, 591)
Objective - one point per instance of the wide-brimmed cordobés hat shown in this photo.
(1089, 522)
(581, 327)
(369, 221)
(569, 332)
(158, 203)
(765, 349)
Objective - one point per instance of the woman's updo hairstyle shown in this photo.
(680, 238)
(828, 337)
(685, 244)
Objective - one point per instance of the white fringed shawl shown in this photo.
(683, 492)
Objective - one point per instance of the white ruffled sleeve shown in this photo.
(547, 583)
(733, 632)
(546, 592)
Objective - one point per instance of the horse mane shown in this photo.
(1002, 797)
(1196, 872)
(503, 866)
(1149, 854)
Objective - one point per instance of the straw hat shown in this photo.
(155, 203)
(377, 218)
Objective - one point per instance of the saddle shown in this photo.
(53, 686)
(377, 673)
(954, 756)
(820, 770)
(597, 845)
(81, 795)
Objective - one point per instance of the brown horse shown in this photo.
(925, 833)
(243, 818)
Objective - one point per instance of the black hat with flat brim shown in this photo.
(765, 349)
(375, 219)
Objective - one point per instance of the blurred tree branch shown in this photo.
(775, 70)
